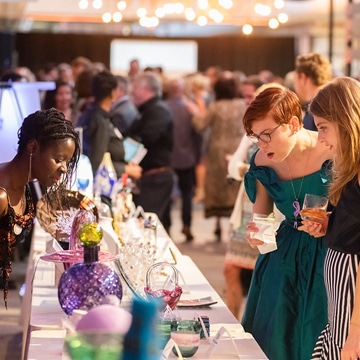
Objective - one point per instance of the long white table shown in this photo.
(42, 315)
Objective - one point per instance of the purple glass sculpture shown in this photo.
(85, 285)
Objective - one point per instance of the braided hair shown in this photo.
(46, 127)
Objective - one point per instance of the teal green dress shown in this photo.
(286, 308)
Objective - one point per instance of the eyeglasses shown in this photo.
(264, 136)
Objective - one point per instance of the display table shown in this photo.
(42, 315)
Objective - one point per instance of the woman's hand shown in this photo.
(251, 230)
(351, 349)
(316, 228)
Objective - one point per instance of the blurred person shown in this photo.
(66, 73)
(134, 69)
(223, 118)
(99, 133)
(26, 73)
(80, 64)
(266, 76)
(153, 128)
(49, 72)
(48, 150)
(62, 99)
(10, 76)
(312, 71)
(286, 304)
(248, 88)
(198, 92)
(123, 111)
(186, 151)
(240, 257)
(83, 93)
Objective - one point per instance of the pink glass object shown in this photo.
(82, 217)
(169, 297)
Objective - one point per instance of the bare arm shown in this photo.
(4, 202)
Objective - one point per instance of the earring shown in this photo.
(30, 166)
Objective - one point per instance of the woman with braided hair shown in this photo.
(48, 150)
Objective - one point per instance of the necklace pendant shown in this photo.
(295, 224)
(17, 229)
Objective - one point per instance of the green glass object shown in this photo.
(91, 234)
(93, 346)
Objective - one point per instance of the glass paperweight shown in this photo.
(87, 284)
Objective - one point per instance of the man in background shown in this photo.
(154, 129)
(312, 71)
(123, 111)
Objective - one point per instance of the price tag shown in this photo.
(168, 348)
(215, 342)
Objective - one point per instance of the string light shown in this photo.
(201, 11)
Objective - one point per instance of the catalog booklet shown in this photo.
(134, 150)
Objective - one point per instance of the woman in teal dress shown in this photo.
(286, 306)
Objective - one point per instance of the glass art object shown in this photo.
(169, 297)
(58, 213)
(87, 284)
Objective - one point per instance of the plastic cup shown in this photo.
(266, 233)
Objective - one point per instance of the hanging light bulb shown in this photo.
(226, 4)
(273, 23)
(117, 16)
(202, 20)
(202, 4)
(106, 17)
(279, 4)
(83, 4)
(97, 4)
(247, 29)
(141, 12)
(121, 5)
(283, 18)
(190, 14)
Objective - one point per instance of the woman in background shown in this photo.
(62, 99)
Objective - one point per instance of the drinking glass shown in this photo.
(186, 334)
(314, 207)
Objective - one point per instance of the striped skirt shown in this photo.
(340, 271)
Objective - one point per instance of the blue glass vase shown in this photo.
(87, 284)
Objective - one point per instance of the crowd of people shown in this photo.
(242, 144)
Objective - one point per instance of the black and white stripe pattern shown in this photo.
(340, 271)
